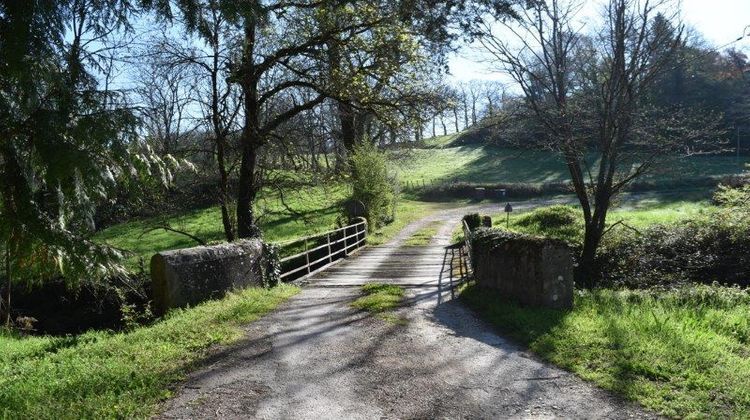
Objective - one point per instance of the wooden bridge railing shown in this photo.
(322, 250)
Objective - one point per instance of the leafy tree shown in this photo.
(386, 69)
(282, 64)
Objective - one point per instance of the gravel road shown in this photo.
(316, 357)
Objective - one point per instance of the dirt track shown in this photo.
(316, 357)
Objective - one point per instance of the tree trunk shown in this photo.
(246, 227)
(250, 140)
(10, 283)
(455, 117)
(226, 220)
(348, 130)
(221, 142)
(466, 115)
(585, 273)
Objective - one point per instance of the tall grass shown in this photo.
(683, 352)
(120, 375)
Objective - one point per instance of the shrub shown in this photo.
(372, 184)
(712, 248)
(733, 197)
(473, 221)
(559, 222)
(706, 250)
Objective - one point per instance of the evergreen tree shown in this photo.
(65, 141)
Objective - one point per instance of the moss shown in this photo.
(493, 238)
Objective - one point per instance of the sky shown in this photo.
(719, 21)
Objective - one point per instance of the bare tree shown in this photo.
(474, 88)
(162, 90)
(463, 95)
(588, 92)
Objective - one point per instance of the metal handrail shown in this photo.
(318, 235)
(332, 254)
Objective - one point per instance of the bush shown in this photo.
(733, 197)
(559, 222)
(373, 185)
(706, 250)
(473, 221)
(712, 248)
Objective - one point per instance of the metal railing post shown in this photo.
(330, 246)
(330, 255)
(359, 240)
(307, 257)
(346, 247)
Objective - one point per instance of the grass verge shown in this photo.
(424, 235)
(122, 375)
(682, 352)
(381, 299)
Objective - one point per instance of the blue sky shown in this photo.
(719, 21)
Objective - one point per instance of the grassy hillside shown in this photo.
(316, 208)
(317, 211)
(440, 160)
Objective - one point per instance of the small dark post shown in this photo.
(508, 210)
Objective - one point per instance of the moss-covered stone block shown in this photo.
(189, 276)
(526, 269)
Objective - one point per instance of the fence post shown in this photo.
(346, 247)
(359, 240)
(460, 264)
(307, 257)
(330, 255)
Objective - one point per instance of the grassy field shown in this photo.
(635, 214)
(317, 210)
(683, 353)
(440, 161)
(120, 375)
